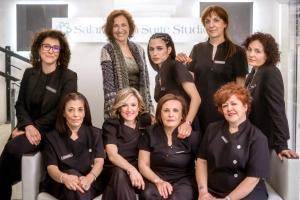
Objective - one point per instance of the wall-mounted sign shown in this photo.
(184, 30)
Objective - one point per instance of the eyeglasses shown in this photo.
(47, 47)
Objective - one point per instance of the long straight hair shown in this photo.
(221, 12)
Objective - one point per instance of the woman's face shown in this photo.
(74, 113)
(171, 113)
(49, 51)
(256, 55)
(214, 26)
(234, 110)
(130, 110)
(158, 51)
(120, 29)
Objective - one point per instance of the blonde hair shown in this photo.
(122, 96)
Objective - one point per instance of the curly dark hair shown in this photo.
(270, 46)
(64, 54)
(108, 26)
(229, 89)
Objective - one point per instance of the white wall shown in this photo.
(85, 58)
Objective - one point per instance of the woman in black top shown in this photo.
(173, 77)
(166, 161)
(215, 62)
(74, 153)
(233, 158)
(41, 89)
(121, 134)
(266, 86)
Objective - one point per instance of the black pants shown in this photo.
(59, 190)
(183, 188)
(118, 185)
(10, 163)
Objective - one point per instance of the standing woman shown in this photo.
(42, 87)
(215, 62)
(74, 153)
(122, 61)
(166, 161)
(173, 77)
(266, 86)
(121, 134)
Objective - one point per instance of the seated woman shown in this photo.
(166, 161)
(233, 158)
(121, 134)
(42, 87)
(173, 77)
(74, 153)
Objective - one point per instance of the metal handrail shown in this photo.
(7, 51)
(10, 92)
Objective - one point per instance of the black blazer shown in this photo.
(268, 106)
(61, 83)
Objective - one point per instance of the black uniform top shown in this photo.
(124, 137)
(66, 153)
(232, 157)
(170, 162)
(169, 79)
(267, 90)
(40, 94)
(210, 74)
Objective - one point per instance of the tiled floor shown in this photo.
(4, 134)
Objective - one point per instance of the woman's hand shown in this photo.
(288, 153)
(86, 181)
(136, 179)
(184, 130)
(182, 57)
(164, 188)
(33, 135)
(16, 132)
(72, 182)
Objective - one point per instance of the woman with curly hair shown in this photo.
(233, 158)
(41, 89)
(266, 86)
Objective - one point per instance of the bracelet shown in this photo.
(227, 197)
(61, 177)
(95, 177)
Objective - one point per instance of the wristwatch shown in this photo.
(227, 198)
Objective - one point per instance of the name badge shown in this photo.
(66, 156)
(90, 150)
(180, 152)
(224, 139)
(219, 61)
(50, 89)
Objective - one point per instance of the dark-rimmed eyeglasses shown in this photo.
(47, 47)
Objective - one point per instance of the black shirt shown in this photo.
(169, 79)
(232, 157)
(66, 153)
(124, 137)
(170, 162)
(268, 106)
(211, 73)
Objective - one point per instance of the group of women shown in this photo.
(219, 150)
